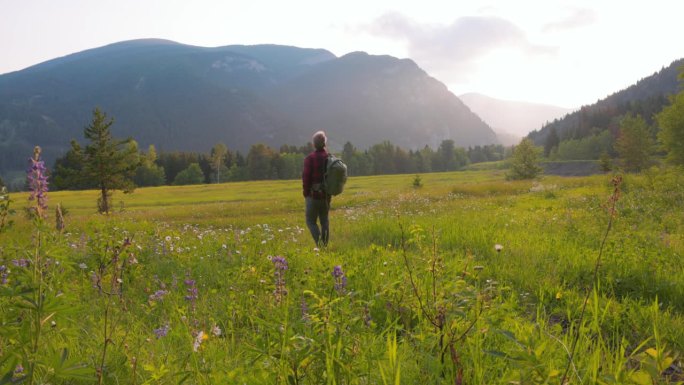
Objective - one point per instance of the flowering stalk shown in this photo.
(340, 279)
(36, 177)
(280, 264)
(192, 292)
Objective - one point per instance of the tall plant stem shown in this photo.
(611, 211)
(38, 310)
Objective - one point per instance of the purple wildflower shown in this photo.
(162, 331)
(192, 292)
(4, 273)
(158, 295)
(340, 279)
(19, 369)
(280, 264)
(36, 176)
(22, 262)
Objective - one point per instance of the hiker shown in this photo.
(317, 201)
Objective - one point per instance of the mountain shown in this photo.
(646, 98)
(512, 120)
(182, 97)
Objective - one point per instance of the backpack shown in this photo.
(335, 175)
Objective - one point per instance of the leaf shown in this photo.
(642, 378)
(509, 335)
(496, 353)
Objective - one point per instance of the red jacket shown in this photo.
(314, 167)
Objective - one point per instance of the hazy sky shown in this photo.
(565, 53)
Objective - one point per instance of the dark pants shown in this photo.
(317, 210)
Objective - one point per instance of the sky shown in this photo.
(563, 53)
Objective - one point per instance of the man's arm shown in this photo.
(306, 176)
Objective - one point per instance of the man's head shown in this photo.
(319, 140)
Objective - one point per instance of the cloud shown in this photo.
(578, 18)
(452, 51)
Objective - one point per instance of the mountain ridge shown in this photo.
(645, 97)
(182, 97)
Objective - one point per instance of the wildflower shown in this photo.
(37, 182)
(216, 331)
(498, 248)
(168, 238)
(83, 266)
(280, 264)
(162, 331)
(158, 295)
(4, 273)
(340, 279)
(367, 316)
(22, 262)
(198, 340)
(19, 369)
(192, 293)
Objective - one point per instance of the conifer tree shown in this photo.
(108, 162)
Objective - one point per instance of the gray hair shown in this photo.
(319, 140)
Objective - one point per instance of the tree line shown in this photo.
(143, 168)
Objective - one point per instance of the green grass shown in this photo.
(421, 270)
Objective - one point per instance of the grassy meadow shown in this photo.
(469, 279)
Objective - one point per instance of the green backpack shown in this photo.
(335, 175)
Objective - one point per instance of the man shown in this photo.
(317, 201)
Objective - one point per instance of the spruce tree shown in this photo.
(108, 162)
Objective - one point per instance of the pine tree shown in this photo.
(108, 162)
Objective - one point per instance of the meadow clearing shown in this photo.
(469, 279)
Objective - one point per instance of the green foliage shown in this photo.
(524, 161)
(149, 173)
(671, 121)
(417, 181)
(259, 161)
(218, 157)
(605, 162)
(191, 175)
(5, 210)
(105, 163)
(634, 143)
(589, 147)
(552, 141)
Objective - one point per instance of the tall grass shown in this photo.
(428, 298)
